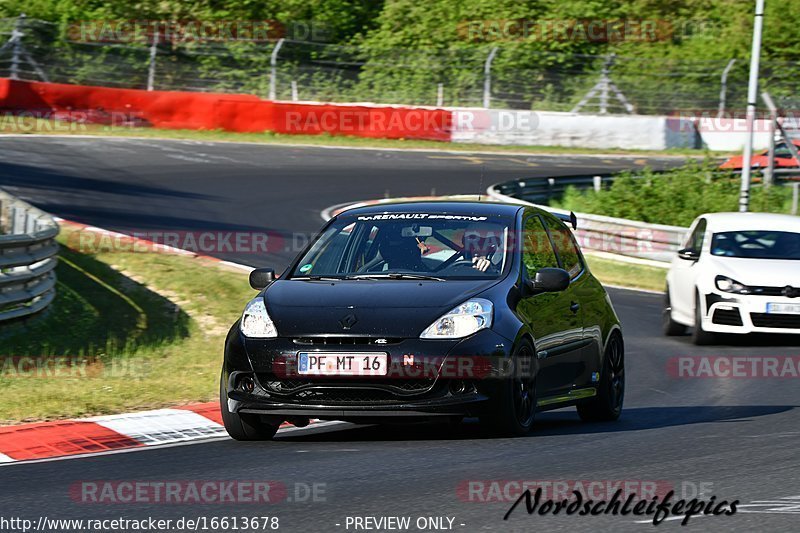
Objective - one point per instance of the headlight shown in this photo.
(463, 320)
(726, 284)
(255, 320)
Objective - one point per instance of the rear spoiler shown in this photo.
(571, 219)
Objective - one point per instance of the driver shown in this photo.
(480, 246)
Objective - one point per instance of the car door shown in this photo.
(583, 301)
(552, 317)
(684, 272)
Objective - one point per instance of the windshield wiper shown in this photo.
(317, 278)
(395, 275)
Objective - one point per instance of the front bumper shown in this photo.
(742, 313)
(426, 377)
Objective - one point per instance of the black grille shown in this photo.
(727, 317)
(345, 341)
(397, 387)
(775, 320)
(346, 396)
(774, 291)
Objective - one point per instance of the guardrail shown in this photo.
(28, 253)
(655, 243)
(538, 190)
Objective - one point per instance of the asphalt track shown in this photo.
(735, 438)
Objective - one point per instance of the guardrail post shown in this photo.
(19, 220)
(769, 176)
(273, 69)
(598, 183)
(16, 50)
(151, 69)
(487, 78)
(795, 196)
(723, 91)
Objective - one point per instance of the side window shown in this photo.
(696, 239)
(566, 247)
(537, 250)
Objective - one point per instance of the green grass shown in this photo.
(631, 275)
(149, 328)
(61, 128)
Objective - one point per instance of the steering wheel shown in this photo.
(467, 263)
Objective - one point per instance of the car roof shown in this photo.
(718, 222)
(445, 207)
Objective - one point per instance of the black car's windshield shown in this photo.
(409, 246)
(757, 244)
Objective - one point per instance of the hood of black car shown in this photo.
(383, 308)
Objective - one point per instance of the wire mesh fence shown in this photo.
(520, 77)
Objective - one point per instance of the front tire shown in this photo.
(607, 405)
(243, 426)
(700, 336)
(669, 327)
(513, 409)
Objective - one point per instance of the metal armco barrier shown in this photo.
(655, 242)
(28, 253)
(631, 238)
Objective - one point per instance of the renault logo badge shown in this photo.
(348, 321)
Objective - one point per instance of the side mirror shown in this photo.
(261, 277)
(549, 280)
(689, 254)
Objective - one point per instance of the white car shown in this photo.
(736, 273)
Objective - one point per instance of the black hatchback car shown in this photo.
(408, 311)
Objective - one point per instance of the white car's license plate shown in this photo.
(789, 309)
(342, 364)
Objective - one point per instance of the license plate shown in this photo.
(789, 309)
(342, 364)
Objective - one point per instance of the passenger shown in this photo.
(400, 253)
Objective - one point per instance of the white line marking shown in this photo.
(620, 287)
(554, 154)
(162, 426)
(6, 459)
(281, 432)
(246, 268)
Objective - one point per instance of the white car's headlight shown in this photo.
(256, 322)
(726, 284)
(463, 320)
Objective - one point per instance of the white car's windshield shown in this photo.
(756, 244)
(399, 245)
